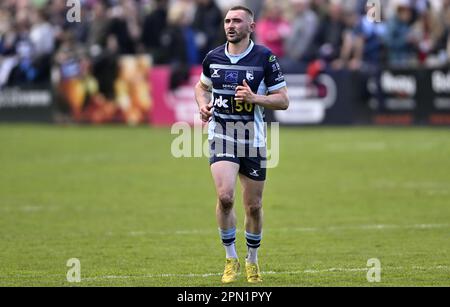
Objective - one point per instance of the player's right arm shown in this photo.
(203, 98)
(203, 90)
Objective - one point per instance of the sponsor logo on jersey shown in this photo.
(215, 73)
(221, 103)
(276, 67)
(280, 77)
(225, 155)
(272, 58)
(231, 76)
(231, 87)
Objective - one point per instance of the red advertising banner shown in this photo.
(173, 105)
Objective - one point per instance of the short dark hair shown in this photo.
(242, 8)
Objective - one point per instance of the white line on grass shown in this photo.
(294, 229)
(309, 271)
(206, 275)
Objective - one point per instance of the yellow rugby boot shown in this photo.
(253, 273)
(231, 270)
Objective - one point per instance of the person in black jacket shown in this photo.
(153, 28)
(207, 25)
(178, 41)
(328, 40)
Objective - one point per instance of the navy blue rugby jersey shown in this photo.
(223, 72)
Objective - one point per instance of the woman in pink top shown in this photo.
(272, 28)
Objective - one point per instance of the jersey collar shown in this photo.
(234, 58)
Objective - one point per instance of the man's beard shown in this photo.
(236, 39)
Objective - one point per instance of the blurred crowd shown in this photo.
(36, 35)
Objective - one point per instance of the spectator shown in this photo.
(317, 32)
(42, 34)
(207, 24)
(304, 27)
(328, 40)
(80, 29)
(105, 67)
(398, 39)
(99, 26)
(123, 27)
(25, 73)
(448, 45)
(446, 20)
(320, 7)
(256, 6)
(179, 38)
(444, 43)
(57, 10)
(444, 13)
(426, 34)
(362, 43)
(372, 34)
(68, 60)
(179, 43)
(154, 25)
(224, 5)
(8, 38)
(416, 6)
(419, 7)
(273, 29)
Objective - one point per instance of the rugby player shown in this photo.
(239, 81)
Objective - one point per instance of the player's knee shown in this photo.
(254, 207)
(226, 201)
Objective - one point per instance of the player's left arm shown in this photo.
(275, 100)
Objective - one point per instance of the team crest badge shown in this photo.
(249, 75)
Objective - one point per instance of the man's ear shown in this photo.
(252, 27)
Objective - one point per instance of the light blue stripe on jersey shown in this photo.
(262, 88)
(205, 80)
(233, 117)
(211, 127)
(259, 127)
(224, 92)
(277, 86)
(236, 67)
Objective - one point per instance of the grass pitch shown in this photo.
(116, 199)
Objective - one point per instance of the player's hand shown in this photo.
(244, 93)
(205, 112)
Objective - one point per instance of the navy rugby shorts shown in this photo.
(252, 161)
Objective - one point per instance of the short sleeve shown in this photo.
(274, 77)
(205, 78)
